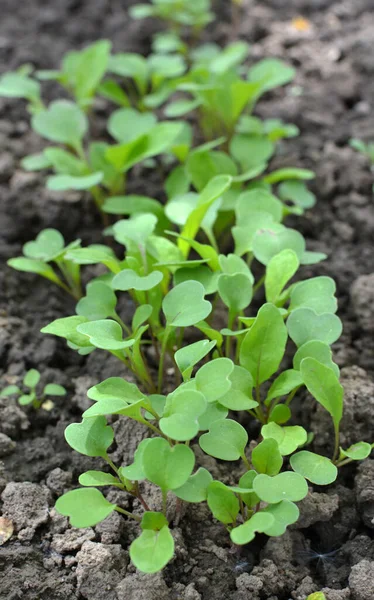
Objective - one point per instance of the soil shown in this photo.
(332, 546)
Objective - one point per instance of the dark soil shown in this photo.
(332, 546)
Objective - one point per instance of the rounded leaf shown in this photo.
(91, 437)
(260, 522)
(86, 507)
(167, 467)
(152, 550)
(185, 305)
(285, 486)
(317, 469)
(226, 440)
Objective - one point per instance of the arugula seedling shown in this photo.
(31, 395)
(176, 13)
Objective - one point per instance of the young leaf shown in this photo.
(54, 389)
(63, 122)
(260, 522)
(48, 244)
(31, 378)
(17, 85)
(97, 478)
(196, 487)
(116, 407)
(180, 420)
(257, 200)
(99, 302)
(324, 386)
(297, 192)
(318, 350)
(269, 242)
(9, 390)
(105, 334)
(358, 451)
(152, 550)
(212, 379)
(280, 269)
(115, 388)
(188, 356)
(263, 346)
(137, 229)
(239, 396)
(214, 412)
(59, 183)
(222, 502)
(287, 438)
(317, 469)
(167, 467)
(184, 305)
(304, 325)
(86, 507)
(266, 457)
(271, 73)
(126, 125)
(285, 486)
(285, 383)
(226, 440)
(316, 293)
(236, 291)
(285, 513)
(280, 414)
(67, 328)
(135, 471)
(91, 437)
(130, 280)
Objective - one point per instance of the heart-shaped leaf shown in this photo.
(245, 533)
(285, 383)
(47, 245)
(180, 419)
(115, 388)
(116, 407)
(17, 85)
(263, 346)
(67, 328)
(214, 412)
(236, 291)
(196, 487)
(285, 486)
(316, 293)
(91, 437)
(318, 350)
(136, 229)
(317, 469)
(63, 122)
(222, 502)
(287, 438)
(86, 507)
(257, 200)
(201, 273)
(285, 513)
(271, 73)
(280, 269)
(304, 325)
(188, 356)
(266, 457)
(324, 386)
(167, 467)
(239, 396)
(184, 305)
(297, 192)
(152, 550)
(130, 280)
(232, 264)
(135, 471)
(269, 242)
(212, 379)
(244, 234)
(100, 302)
(126, 125)
(105, 334)
(226, 440)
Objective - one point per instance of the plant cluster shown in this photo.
(30, 395)
(195, 267)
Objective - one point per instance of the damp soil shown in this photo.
(331, 100)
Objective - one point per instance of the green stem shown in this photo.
(337, 444)
(291, 396)
(228, 341)
(167, 333)
(122, 323)
(246, 461)
(128, 514)
(111, 464)
(258, 284)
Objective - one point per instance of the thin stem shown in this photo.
(291, 396)
(128, 514)
(167, 333)
(337, 443)
(140, 497)
(258, 284)
(228, 341)
(246, 461)
(111, 464)
(122, 323)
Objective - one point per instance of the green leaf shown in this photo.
(141, 315)
(358, 451)
(257, 200)
(236, 291)
(297, 192)
(266, 457)
(169, 468)
(316, 293)
(285, 513)
(222, 502)
(99, 302)
(54, 389)
(196, 487)
(152, 550)
(97, 478)
(304, 325)
(232, 264)
(318, 350)
(285, 383)
(126, 125)
(65, 162)
(67, 328)
(268, 242)
(9, 390)
(259, 523)
(86, 507)
(48, 244)
(135, 471)
(105, 334)
(214, 412)
(180, 420)
(280, 269)
(31, 378)
(36, 162)
(63, 122)
(58, 183)
(116, 407)
(229, 57)
(17, 85)
(212, 379)
(244, 234)
(130, 280)
(184, 305)
(285, 486)
(271, 73)
(91, 437)
(317, 469)
(188, 356)
(226, 440)
(132, 204)
(239, 396)
(86, 68)
(288, 173)
(137, 229)
(324, 386)
(251, 152)
(263, 346)
(94, 254)
(288, 438)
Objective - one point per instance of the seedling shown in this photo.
(176, 13)
(29, 394)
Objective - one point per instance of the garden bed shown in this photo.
(331, 546)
